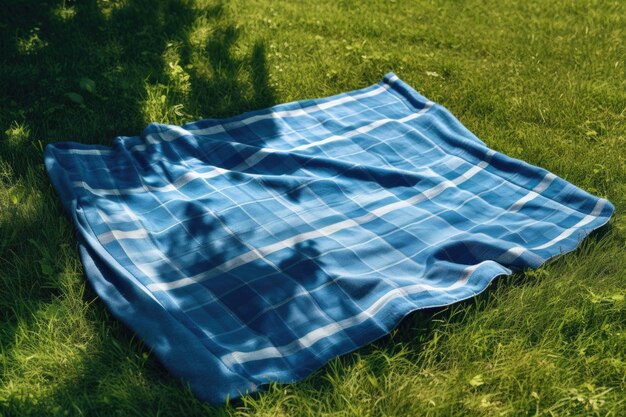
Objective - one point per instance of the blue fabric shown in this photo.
(255, 248)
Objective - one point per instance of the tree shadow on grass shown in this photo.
(83, 71)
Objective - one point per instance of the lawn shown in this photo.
(543, 81)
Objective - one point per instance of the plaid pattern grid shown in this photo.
(255, 248)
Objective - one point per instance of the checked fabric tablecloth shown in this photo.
(255, 248)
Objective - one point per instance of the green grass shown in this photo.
(544, 81)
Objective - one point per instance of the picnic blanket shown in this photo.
(255, 248)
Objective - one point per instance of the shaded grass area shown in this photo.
(542, 82)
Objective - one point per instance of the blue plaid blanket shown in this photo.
(255, 248)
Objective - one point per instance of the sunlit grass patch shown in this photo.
(31, 42)
(64, 11)
(159, 109)
(18, 132)
(108, 7)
